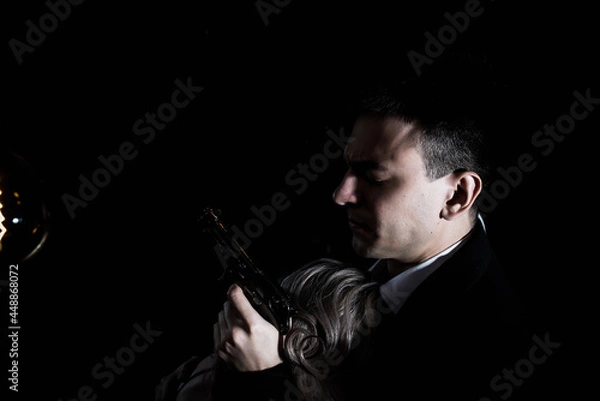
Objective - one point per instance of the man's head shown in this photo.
(416, 166)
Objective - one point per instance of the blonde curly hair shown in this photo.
(336, 306)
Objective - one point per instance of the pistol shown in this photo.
(265, 294)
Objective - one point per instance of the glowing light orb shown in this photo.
(24, 218)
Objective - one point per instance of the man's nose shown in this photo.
(345, 193)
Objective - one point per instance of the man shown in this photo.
(450, 322)
(417, 165)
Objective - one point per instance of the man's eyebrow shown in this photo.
(365, 165)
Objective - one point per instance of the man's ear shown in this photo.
(465, 188)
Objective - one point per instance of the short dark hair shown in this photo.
(451, 106)
(449, 141)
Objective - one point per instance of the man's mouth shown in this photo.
(357, 224)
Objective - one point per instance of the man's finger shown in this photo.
(242, 305)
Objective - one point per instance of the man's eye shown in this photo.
(372, 179)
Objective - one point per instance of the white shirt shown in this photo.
(397, 290)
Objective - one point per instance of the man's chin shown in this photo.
(363, 248)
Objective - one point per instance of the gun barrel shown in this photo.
(266, 295)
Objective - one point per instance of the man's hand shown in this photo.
(243, 338)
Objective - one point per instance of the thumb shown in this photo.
(247, 313)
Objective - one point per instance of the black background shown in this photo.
(134, 254)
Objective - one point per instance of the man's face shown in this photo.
(393, 208)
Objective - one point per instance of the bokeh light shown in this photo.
(24, 217)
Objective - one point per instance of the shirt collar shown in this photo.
(396, 290)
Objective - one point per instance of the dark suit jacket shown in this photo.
(458, 330)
